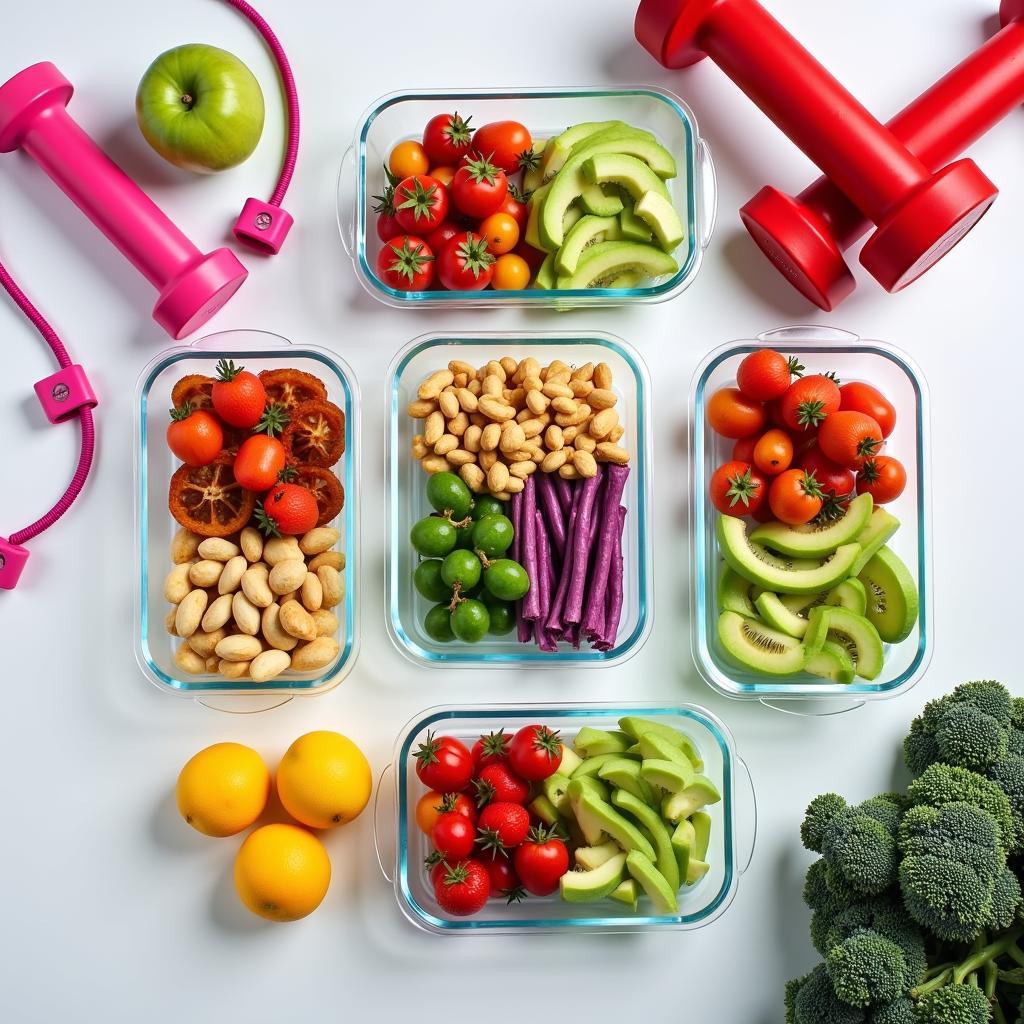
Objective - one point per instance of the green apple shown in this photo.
(200, 108)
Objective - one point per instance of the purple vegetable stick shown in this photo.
(581, 547)
(594, 619)
(565, 492)
(545, 576)
(523, 630)
(528, 549)
(554, 623)
(615, 589)
(554, 515)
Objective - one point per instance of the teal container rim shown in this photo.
(531, 296)
(824, 340)
(465, 657)
(548, 713)
(282, 348)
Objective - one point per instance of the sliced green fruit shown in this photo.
(665, 858)
(656, 747)
(671, 776)
(757, 564)
(759, 647)
(684, 842)
(570, 761)
(696, 869)
(592, 765)
(892, 604)
(778, 616)
(587, 886)
(661, 217)
(572, 217)
(852, 632)
(532, 233)
(586, 231)
(589, 825)
(639, 727)
(605, 261)
(623, 831)
(625, 774)
(881, 526)
(633, 227)
(556, 789)
(627, 279)
(734, 593)
(599, 201)
(697, 793)
(592, 784)
(629, 172)
(592, 742)
(702, 833)
(590, 857)
(653, 882)
(533, 179)
(628, 894)
(849, 594)
(816, 539)
(558, 149)
(544, 809)
(831, 662)
(547, 278)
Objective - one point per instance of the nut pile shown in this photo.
(251, 608)
(496, 425)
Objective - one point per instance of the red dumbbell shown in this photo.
(805, 237)
(919, 215)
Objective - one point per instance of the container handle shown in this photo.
(376, 834)
(240, 340)
(753, 814)
(809, 332)
(244, 704)
(708, 192)
(769, 702)
(347, 201)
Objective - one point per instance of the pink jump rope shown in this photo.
(193, 286)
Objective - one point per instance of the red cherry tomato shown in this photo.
(442, 235)
(504, 882)
(773, 452)
(421, 204)
(406, 263)
(497, 782)
(446, 138)
(833, 479)
(540, 862)
(453, 836)
(860, 397)
(289, 508)
(505, 143)
(479, 187)
(465, 263)
(743, 449)
(490, 749)
(808, 402)
(737, 489)
(849, 437)
(535, 752)
(795, 497)
(194, 436)
(515, 206)
(432, 805)
(732, 414)
(534, 257)
(883, 477)
(238, 396)
(765, 374)
(259, 461)
(443, 763)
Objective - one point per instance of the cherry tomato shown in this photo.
(490, 749)
(732, 414)
(737, 489)
(849, 437)
(453, 836)
(515, 206)
(795, 497)
(743, 449)
(463, 889)
(288, 508)
(444, 763)
(501, 232)
(833, 479)
(860, 397)
(497, 782)
(432, 805)
(195, 436)
(540, 862)
(408, 158)
(479, 187)
(238, 396)
(387, 225)
(446, 138)
(406, 263)
(465, 264)
(421, 204)
(765, 374)
(773, 452)
(504, 143)
(511, 273)
(883, 477)
(534, 257)
(259, 461)
(535, 752)
(808, 402)
(504, 882)
(441, 236)
(444, 174)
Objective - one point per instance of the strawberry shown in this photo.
(497, 782)
(502, 827)
(464, 889)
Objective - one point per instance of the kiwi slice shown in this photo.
(759, 647)
(734, 593)
(850, 631)
(892, 603)
(771, 608)
(881, 526)
(831, 662)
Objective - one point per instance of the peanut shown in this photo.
(564, 406)
(278, 549)
(553, 438)
(238, 648)
(419, 447)
(509, 365)
(458, 424)
(460, 380)
(467, 400)
(333, 585)
(317, 654)
(581, 415)
(326, 622)
(212, 662)
(569, 473)
(420, 409)
(218, 549)
(246, 614)
(269, 664)
(287, 576)
(616, 435)
(176, 583)
(471, 439)
(602, 398)
(603, 423)
(232, 575)
(335, 559)
(233, 669)
(473, 477)
(495, 369)
(184, 545)
(491, 387)
(515, 485)
(497, 477)
(205, 573)
(532, 427)
(602, 376)
(190, 613)
(295, 620)
(496, 409)
(537, 402)
(555, 390)
(448, 403)
(446, 443)
(255, 586)
(554, 460)
(584, 463)
(273, 632)
(435, 384)
(608, 452)
(320, 538)
(584, 443)
(522, 469)
(583, 373)
(581, 388)
(312, 592)
(434, 463)
(487, 459)
(433, 429)
(490, 437)
(459, 457)
(169, 621)
(461, 366)
(512, 437)
(204, 643)
(217, 614)
(187, 660)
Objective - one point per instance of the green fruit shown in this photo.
(756, 646)
(850, 631)
(447, 493)
(503, 614)
(831, 662)
(506, 580)
(464, 536)
(493, 535)
(487, 506)
(816, 539)
(881, 526)
(461, 569)
(433, 537)
(427, 580)
(653, 883)
(470, 621)
(892, 596)
(437, 624)
(589, 886)
(200, 108)
(734, 593)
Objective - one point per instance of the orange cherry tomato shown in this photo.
(433, 804)
(443, 175)
(765, 374)
(732, 414)
(408, 158)
(883, 477)
(259, 461)
(808, 402)
(795, 497)
(194, 435)
(511, 273)
(860, 397)
(501, 232)
(773, 452)
(849, 437)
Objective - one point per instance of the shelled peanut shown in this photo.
(251, 608)
(496, 425)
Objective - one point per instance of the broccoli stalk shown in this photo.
(980, 958)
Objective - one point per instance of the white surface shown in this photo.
(113, 910)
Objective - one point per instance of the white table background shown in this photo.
(113, 910)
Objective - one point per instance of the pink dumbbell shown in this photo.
(805, 237)
(192, 286)
(919, 215)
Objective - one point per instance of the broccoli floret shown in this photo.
(814, 1001)
(817, 818)
(954, 1004)
(1006, 901)
(861, 851)
(1016, 741)
(986, 695)
(970, 737)
(890, 920)
(899, 1012)
(886, 809)
(826, 900)
(956, 831)
(867, 969)
(1008, 775)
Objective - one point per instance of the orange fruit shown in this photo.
(282, 872)
(223, 789)
(324, 780)
(408, 158)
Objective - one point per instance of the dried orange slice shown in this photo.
(291, 388)
(315, 435)
(208, 500)
(196, 389)
(326, 488)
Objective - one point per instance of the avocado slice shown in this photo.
(605, 261)
(599, 201)
(589, 784)
(880, 527)
(660, 216)
(665, 859)
(544, 809)
(570, 761)
(754, 645)
(591, 828)
(626, 171)
(627, 893)
(778, 616)
(696, 869)
(625, 774)
(653, 882)
(848, 594)
(655, 747)
(816, 539)
(558, 149)
(698, 792)
(831, 662)
(701, 822)
(775, 572)
(590, 857)
(670, 776)
(592, 765)
(586, 231)
(852, 632)
(623, 831)
(547, 277)
(892, 604)
(556, 789)
(533, 179)
(592, 742)
(639, 727)
(633, 227)
(587, 886)
(532, 233)
(734, 593)
(684, 843)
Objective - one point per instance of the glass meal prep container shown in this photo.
(155, 527)
(733, 829)
(820, 349)
(545, 112)
(407, 502)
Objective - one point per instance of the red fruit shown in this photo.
(259, 461)
(515, 206)
(194, 436)
(795, 497)
(501, 827)
(833, 479)
(490, 749)
(808, 402)
(437, 867)
(497, 782)
(882, 477)
(535, 752)
(849, 437)
(238, 396)
(479, 187)
(463, 889)
(289, 509)
(773, 452)
(453, 836)
(541, 861)
(443, 764)
(442, 235)
(534, 257)
(860, 397)
(504, 882)
(446, 139)
(421, 204)
(737, 489)
(732, 414)
(465, 263)
(406, 263)
(765, 374)
(505, 143)
(743, 449)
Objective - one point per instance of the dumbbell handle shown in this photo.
(941, 123)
